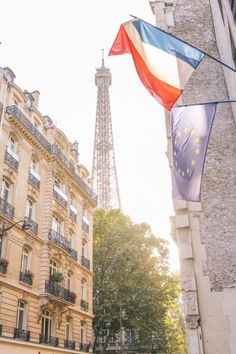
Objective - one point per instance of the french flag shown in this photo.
(164, 63)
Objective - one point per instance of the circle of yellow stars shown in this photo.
(192, 163)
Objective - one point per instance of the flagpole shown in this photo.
(170, 34)
(203, 103)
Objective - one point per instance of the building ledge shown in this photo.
(18, 343)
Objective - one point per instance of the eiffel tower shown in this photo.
(104, 177)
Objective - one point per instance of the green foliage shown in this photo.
(57, 277)
(133, 287)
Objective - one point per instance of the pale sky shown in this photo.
(54, 46)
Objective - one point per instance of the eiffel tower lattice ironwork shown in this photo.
(104, 177)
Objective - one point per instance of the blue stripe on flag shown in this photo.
(154, 36)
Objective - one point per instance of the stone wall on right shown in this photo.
(206, 232)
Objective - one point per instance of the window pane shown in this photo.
(20, 315)
(67, 330)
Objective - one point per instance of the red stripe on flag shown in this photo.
(164, 93)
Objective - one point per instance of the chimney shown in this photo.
(35, 95)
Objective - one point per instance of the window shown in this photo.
(57, 225)
(70, 281)
(72, 200)
(6, 191)
(83, 333)
(68, 331)
(28, 102)
(85, 216)
(46, 324)
(30, 209)
(36, 123)
(34, 168)
(57, 182)
(34, 164)
(12, 144)
(21, 315)
(85, 250)
(83, 290)
(53, 267)
(71, 239)
(25, 259)
(16, 101)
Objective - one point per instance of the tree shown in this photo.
(133, 287)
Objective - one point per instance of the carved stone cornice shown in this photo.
(9, 172)
(58, 309)
(193, 321)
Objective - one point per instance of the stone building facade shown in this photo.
(206, 232)
(46, 270)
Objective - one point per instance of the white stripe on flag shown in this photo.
(161, 64)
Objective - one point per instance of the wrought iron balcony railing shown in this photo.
(34, 179)
(53, 341)
(59, 240)
(26, 277)
(84, 304)
(6, 208)
(21, 334)
(73, 254)
(53, 288)
(69, 344)
(34, 226)
(84, 347)
(11, 160)
(85, 262)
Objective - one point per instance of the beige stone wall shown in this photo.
(29, 129)
(205, 232)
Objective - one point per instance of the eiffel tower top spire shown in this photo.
(104, 177)
(103, 66)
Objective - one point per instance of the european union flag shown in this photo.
(190, 129)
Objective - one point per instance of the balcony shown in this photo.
(21, 334)
(85, 262)
(12, 158)
(60, 196)
(51, 287)
(69, 344)
(37, 339)
(26, 277)
(84, 304)
(6, 209)
(84, 347)
(73, 213)
(34, 178)
(53, 341)
(15, 114)
(59, 240)
(34, 226)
